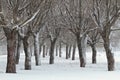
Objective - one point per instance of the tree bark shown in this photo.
(81, 47)
(70, 51)
(18, 50)
(36, 49)
(51, 61)
(31, 51)
(94, 54)
(60, 52)
(43, 51)
(27, 54)
(46, 50)
(67, 54)
(11, 46)
(109, 55)
(40, 47)
(73, 53)
(56, 50)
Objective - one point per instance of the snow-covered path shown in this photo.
(63, 69)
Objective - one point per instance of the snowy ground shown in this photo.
(63, 69)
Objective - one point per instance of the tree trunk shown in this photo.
(46, 50)
(36, 49)
(94, 54)
(67, 54)
(40, 47)
(27, 54)
(31, 51)
(43, 51)
(60, 52)
(70, 51)
(56, 50)
(73, 53)
(11, 46)
(18, 50)
(51, 61)
(109, 55)
(81, 49)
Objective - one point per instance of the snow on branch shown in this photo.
(115, 29)
(29, 19)
(25, 22)
(84, 33)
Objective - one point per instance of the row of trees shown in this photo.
(55, 22)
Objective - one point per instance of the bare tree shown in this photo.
(76, 18)
(38, 23)
(93, 39)
(60, 49)
(53, 35)
(11, 22)
(19, 41)
(74, 51)
(105, 14)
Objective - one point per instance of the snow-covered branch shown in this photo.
(29, 19)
